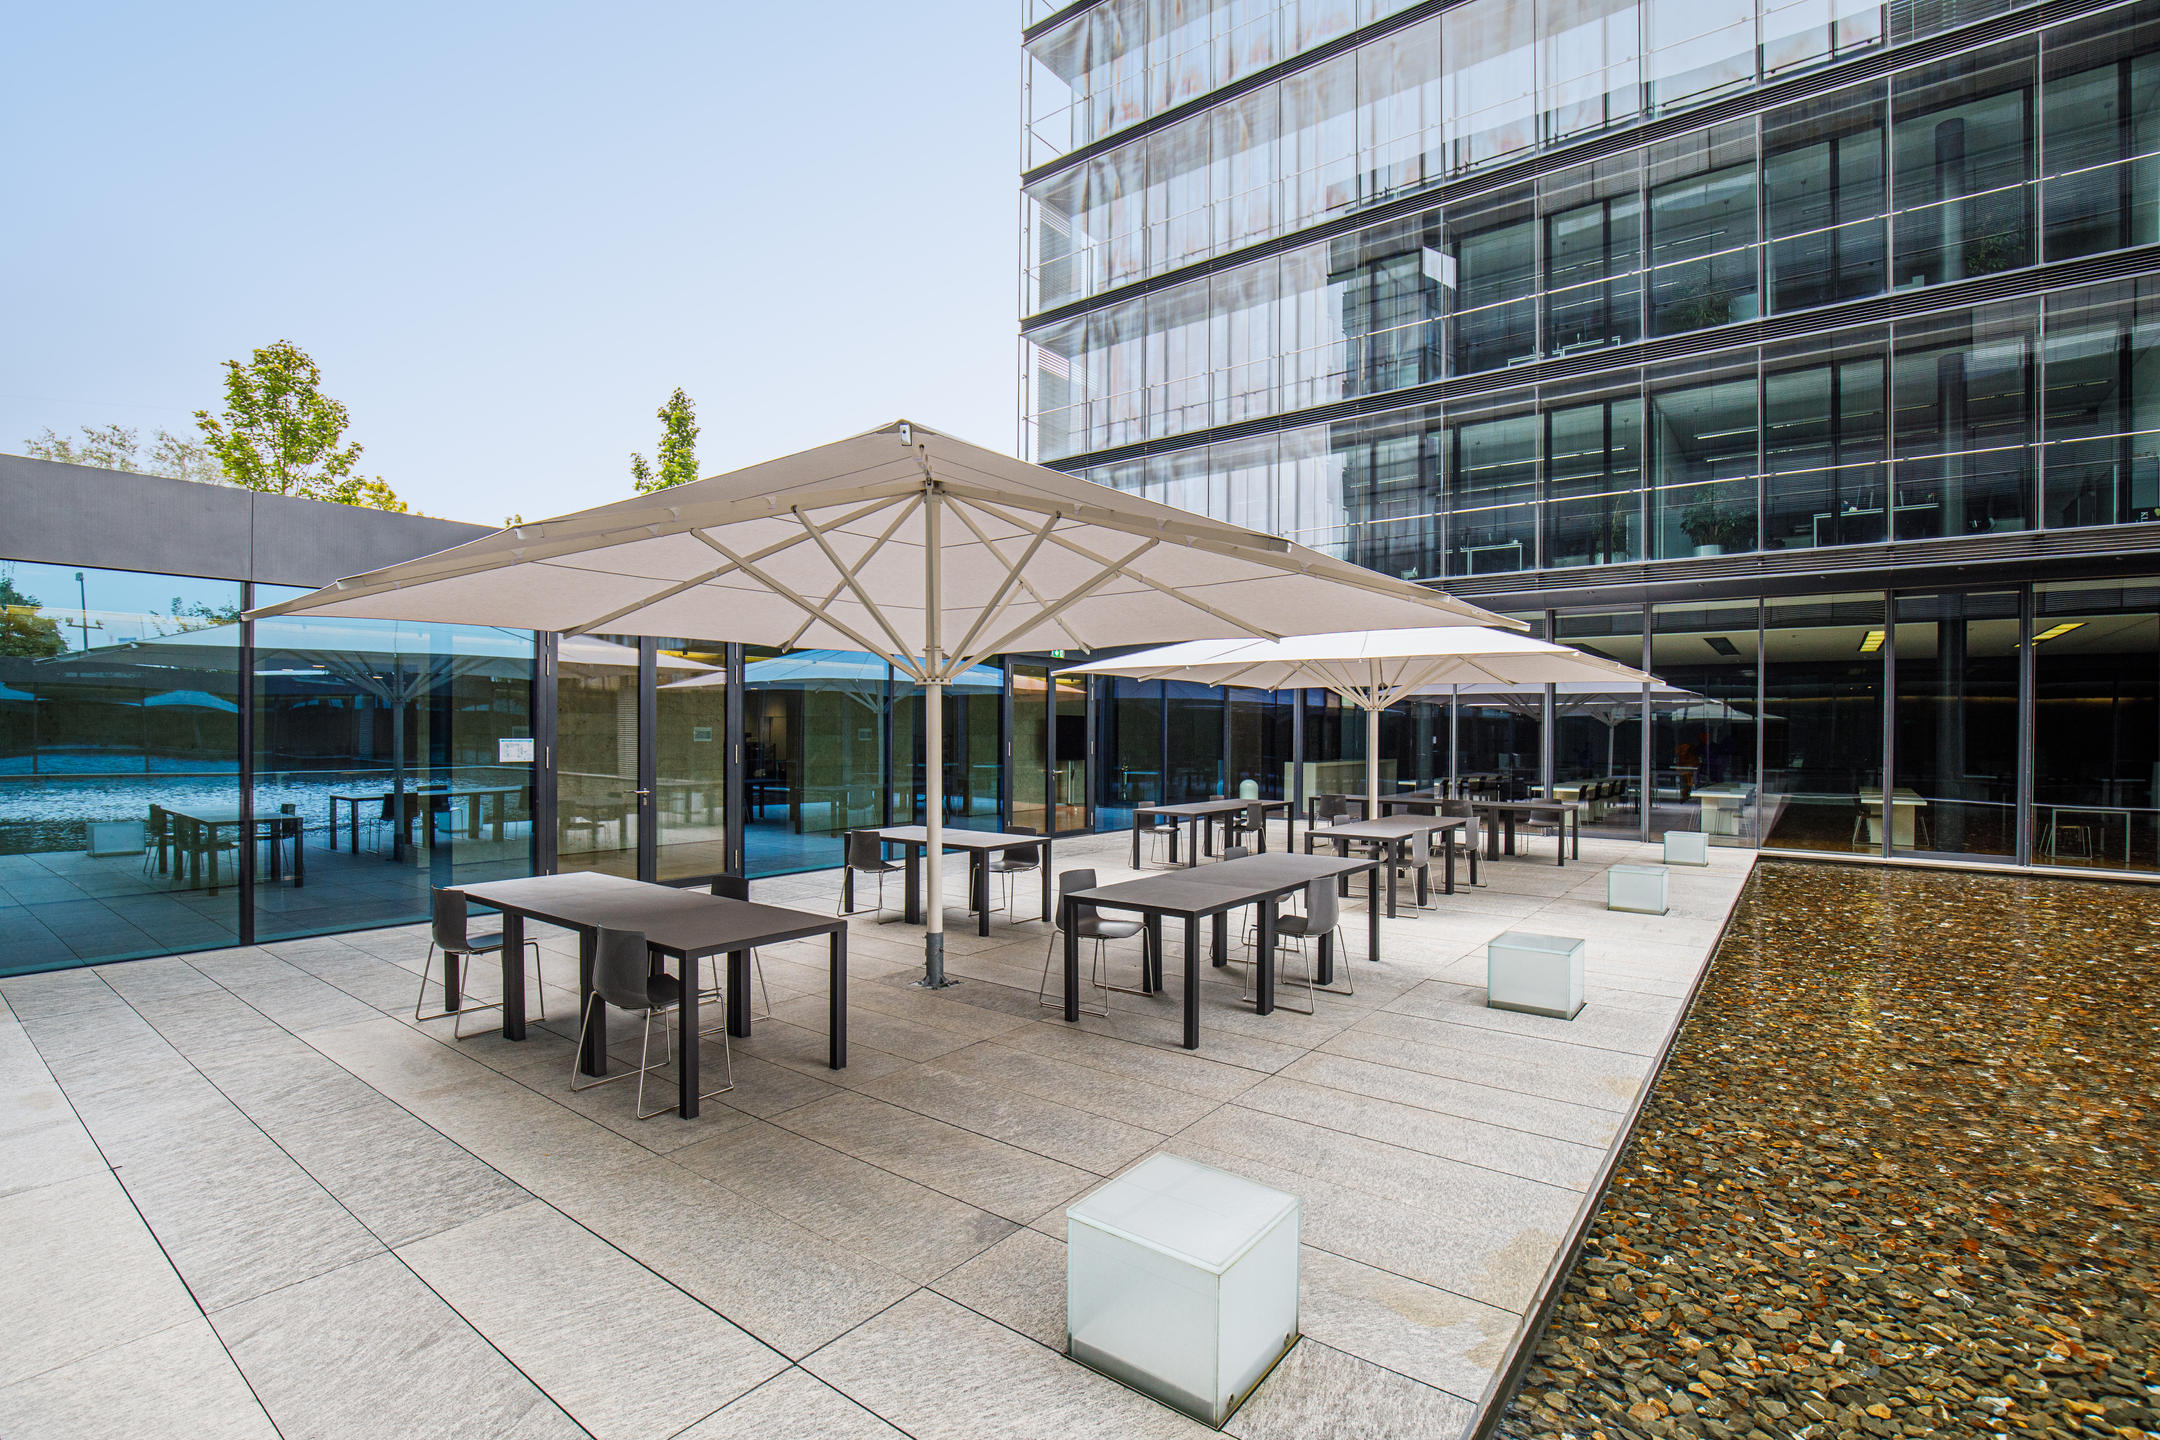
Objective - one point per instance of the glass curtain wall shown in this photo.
(2096, 725)
(973, 778)
(119, 764)
(1031, 731)
(1074, 806)
(1956, 733)
(596, 757)
(1702, 740)
(813, 754)
(380, 769)
(2101, 416)
(1822, 723)
(1194, 716)
(1129, 714)
(1597, 744)
(690, 760)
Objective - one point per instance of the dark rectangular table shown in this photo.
(685, 924)
(979, 846)
(1501, 814)
(1258, 880)
(1202, 815)
(411, 808)
(1385, 836)
(196, 859)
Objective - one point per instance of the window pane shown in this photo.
(1702, 231)
(1589, 64)
(1494, 246)
(1824, 434)
(2096, 716)
(1957, 688)
(1822, 722)
(1593, 507)
(690, 759)
(2103, 134)
(1702, 745)
(1695, 48)
(1492, 490)
(2103, 405)
(1964, 422)
(1593, 256)
(1823, 200)
(1490, 89)
(1963, 154)
(1703, 453)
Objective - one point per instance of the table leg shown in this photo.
(352, 818)
(1392, 867)
(1219, 948)
(1264, 989)
(1046, 871)
(1072, 963)
(1560, 841)
(1192, 982)
(1447, 846)
(513, 975)
(1576, 817)
(1207, 835)
(592, 1060)
(502, 803)
(1136, 840)
(453, 994)
(1151, 961)
(1509, 838)
(299, 866)
(1372, 933)
(836, 1004)
(1324, 968)
(686, 1042)
(738, 994)
(912, 912)
(847, 882)
(1342, 852)
(1492, 836)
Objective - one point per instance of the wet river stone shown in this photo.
(1900, 1177)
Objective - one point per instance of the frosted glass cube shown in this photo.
(1536, 974)
(1687, 847)
(1639, 888)
(1182, 1282)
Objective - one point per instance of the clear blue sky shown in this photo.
(506, 232)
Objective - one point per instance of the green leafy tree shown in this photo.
(120, 447)
(678, 447)
(281, 434)
(24, 629)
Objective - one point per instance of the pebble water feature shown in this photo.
(1900, 1177)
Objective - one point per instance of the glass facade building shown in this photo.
(1803, 353)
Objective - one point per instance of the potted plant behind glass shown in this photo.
(1715, 526)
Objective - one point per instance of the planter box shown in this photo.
(1687, 847)
(116, 837)
(1639, 889)
(1536, 974)
(1182, 1282)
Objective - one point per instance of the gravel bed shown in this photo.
(1900, 1177)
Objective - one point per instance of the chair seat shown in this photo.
(883, 867)
(663, 990)
(1099, 929)
(477, 945)
(1000, 865)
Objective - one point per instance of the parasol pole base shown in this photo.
(934, 976)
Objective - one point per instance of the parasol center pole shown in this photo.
(933, 744)
(1372, 762)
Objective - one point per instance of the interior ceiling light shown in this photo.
(2054, 630)
(1871, 642)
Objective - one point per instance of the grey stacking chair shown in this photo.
(451, 933)
(1008, 863)
(1323, 916)
(1088, 924)
(865, 856)
(1466, 812)
(623, 977)
(1252, 820)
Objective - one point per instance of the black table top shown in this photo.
(675, 921)
(1222, 886)
(1393, 827)
(1537, 806)
(1205, 807)
(958, 839)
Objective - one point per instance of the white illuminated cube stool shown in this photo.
(1536, 974)
(1687, 847)
(1637, 888)
(1182, 1282)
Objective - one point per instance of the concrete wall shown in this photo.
(79, 515)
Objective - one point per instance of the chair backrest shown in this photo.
(1021, 857)
(389, 806)
(1256, 816)
(621, 966)
(160, 822)
(1234, 852)
(1322, 911)
(731, 887)
(865, 851)
(1071, 880)
(449, 918)
(1417, 849)
(1458, 809)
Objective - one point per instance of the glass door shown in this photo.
(1031, 747)
(1068, 760)
(690, 761)
(596, 750)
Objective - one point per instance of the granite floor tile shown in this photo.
(1014, 1063)
(1018, 1282)
(1317, 1390)
(368, 1351)
(988, 1174)
(903, 1226)
(1446, 1340)
(79, 1275)
(627, 1355)
(1581, 1124)
(178, 1381)
(793, 1405)
(1474, 1142)
(1579, 1075)
(938, 1371)
(1005, 1112)
(786, 1285)
(1189, 1071)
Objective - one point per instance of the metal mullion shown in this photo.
(244, 857)
(541, 852)
(1643, 785)
(1889, 721)
(733, 786)
(2027, 715)
(648, 758)
(1005, 743)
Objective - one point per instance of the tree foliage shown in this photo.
(25, 631)
(120, 447)
(678, 447)
(281, 434)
